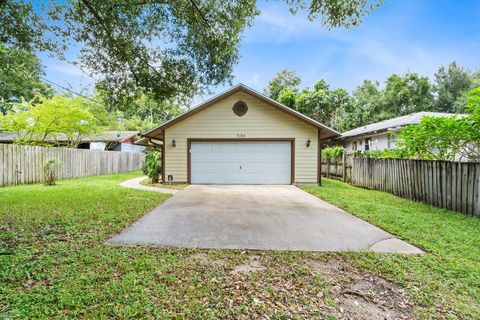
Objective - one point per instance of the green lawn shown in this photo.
(448, 276)
(54, 262)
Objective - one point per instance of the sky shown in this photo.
(400, 36)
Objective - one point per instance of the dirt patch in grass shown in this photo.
(253, 265)
(265, 286)
(203, 258)
(360, 295)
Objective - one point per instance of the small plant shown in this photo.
(50, 170)
(152, 166)
(333, 153)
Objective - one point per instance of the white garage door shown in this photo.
(256, 162)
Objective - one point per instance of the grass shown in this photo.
(448, 276)
(54, 262)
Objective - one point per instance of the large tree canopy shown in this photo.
(450, 84)
(407, 94)
(165, 48)
(42, 123)
(20, 75)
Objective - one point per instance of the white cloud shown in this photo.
(66, 69)
(254, 80)
(278, 25)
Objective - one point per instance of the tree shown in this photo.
(20, 76)
(407, 94)
(336, 13)
(462, 101)
(445, 138)
(287, 97)
(44, 122)
(284, 79)
(434, 138)
(316, 104)
(450, 85)
(342, 103)
(365, 106)
(163, 48)
(322, 104)
(23, 28)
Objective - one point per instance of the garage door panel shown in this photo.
(258, 162)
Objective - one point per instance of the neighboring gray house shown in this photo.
(112, 140)
(107, 140)
(382, 135)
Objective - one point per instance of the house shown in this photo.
(107, 140)
(241, 137)
(112, 140)
(382, 135)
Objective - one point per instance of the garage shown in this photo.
(241, 162)
(241, 136)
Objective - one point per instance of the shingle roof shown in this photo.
(7, 136)
(107, 136)
(394, 123)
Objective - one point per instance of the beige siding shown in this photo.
(261, 121)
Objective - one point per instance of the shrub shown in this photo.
(152, 166)
(333, 153)
(50, 170)
(399, 153)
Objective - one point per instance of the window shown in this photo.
(368, 142)
(392, 141)
(354, 146)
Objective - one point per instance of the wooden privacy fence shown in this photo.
(24, 164)
(339, 169)
(450, 185)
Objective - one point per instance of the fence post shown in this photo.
(328, 168)
(344, 164)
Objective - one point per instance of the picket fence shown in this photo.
(450, 185)
(24, 164)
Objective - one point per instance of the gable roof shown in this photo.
(393, 124)
(326, 132)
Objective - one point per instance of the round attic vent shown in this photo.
(240, 108)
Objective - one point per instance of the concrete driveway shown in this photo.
(256, 217)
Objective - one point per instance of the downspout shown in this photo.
(319, 159)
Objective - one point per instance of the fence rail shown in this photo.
(24, 164)
(450, 185)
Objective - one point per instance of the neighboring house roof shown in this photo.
(111, 136)
(392, 124)
(326, 131)
(106, 136)
(7, 136)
